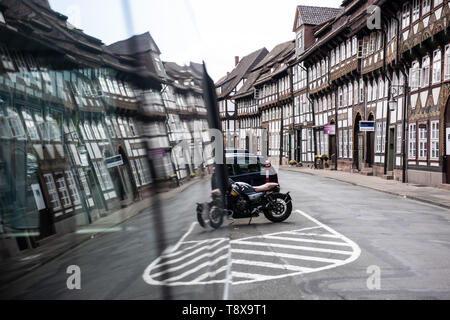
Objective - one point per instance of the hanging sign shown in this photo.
(329, 130)
(367, 126)
(113, 162)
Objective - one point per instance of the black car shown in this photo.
(249, 168)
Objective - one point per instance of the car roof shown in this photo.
(241, 155)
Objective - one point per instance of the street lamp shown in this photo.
(392, 104)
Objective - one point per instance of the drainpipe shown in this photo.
(336, 122)
(388, 116)
(291, 87)
(281, 122)
(405, 127)
(406, 90)
(313, 116)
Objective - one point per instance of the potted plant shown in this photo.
(293, 163)
(318, 162)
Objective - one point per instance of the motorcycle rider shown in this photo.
(215, 191)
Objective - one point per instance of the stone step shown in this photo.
(444, 186)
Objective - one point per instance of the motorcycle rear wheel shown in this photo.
(282, 210)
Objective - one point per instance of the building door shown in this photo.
(127, 175)
(370, 139)
(360, 150)
(358, 139)
(447, 143)
(391, 155)
(333, 150)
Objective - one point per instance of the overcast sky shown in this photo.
(192, 30)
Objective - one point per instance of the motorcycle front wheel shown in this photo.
(280, 209)
(215, 218)
(200, 214)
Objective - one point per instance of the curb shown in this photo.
(371, 188)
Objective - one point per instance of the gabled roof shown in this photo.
(277, 52)
(43, 3)
(352, 17)
(197, 68)
(314, 16)
(276, 62)
(241, 71)
(61, 45)
(136, 44)
(247, 88)
(183, 73)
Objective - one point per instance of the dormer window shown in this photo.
(300, 41)
(299, 21)
(2, 18)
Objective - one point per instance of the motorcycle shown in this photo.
(246, 202)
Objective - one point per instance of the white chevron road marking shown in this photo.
(276, 245)
(252, 259)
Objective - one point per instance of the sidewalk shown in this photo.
(53, 247)
(435, 196)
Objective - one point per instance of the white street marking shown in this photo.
(276, 245)
(191, 258)
(309, 241)
(314, 234)
(251, 276)
(285, 255)
(271, 265)
(191, 253)
(199, 267)
(184, 265)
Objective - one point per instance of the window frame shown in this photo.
(447, 62)
(416, 6)
(406, 15)
(412, 141)
(425, 74)
(434, 140)
(437, 65)
(423, 141)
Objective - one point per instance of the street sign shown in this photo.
(367, 126)
(329, 130)
(114, 161)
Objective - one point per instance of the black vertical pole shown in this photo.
(210, 98)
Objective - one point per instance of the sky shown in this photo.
(214, 31)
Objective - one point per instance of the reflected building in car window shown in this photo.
(78, 121)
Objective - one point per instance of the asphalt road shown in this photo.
(338, 240)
